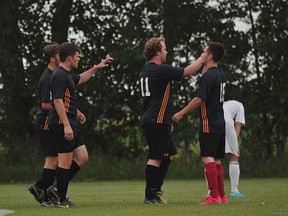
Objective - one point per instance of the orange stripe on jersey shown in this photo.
(204, 117)
(67, 99)
(46, 124)
(164, 104)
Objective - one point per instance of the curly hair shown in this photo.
(152, 46)
(50, 50)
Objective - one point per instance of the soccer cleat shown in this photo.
(159, 199)
(52, 193)
(48, 203)
(160, 195)
(224, 199)
(237, 195)
(211, 200)
(36, 192)
(151, 201)
(66, 204)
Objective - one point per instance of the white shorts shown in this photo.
(231, 141)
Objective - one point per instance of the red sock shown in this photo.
(220, 178)
(211, 175)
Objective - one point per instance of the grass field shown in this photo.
(263, 197)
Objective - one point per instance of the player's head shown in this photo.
(70, 53)
(51, 53)
(155, 47)
(216, 50)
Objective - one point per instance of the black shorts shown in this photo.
(212, 145)
(47, 142)
(79, 140)
(159, 140)
(63, 145)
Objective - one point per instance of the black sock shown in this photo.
(62, 177)
(48, 177)
(73, 169)
(163, 171)
(39, 183)
(152, 181)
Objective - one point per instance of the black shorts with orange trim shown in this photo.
(212, 145)
(47, 142)
(159, 140)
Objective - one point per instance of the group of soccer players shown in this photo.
(156, 119)
(57, 119)
(63, 145)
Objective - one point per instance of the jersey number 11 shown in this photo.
(145, 87)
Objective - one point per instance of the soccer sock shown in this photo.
(163, 171)
(74, 169)
(208, 192)
(211, 175)
(220, 179)
(62, 177)
(152, 174)
(39, 183)
(234, 173)
(48, 179)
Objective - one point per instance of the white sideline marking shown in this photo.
(5, 211)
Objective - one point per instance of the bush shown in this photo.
(108, 167)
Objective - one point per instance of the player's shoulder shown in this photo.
(59, 71)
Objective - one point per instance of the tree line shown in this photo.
(255, 61)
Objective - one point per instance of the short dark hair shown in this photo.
(216, 49)
(68, 49)
(152, 46)
(50, 50)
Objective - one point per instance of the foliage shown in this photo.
(254, 63)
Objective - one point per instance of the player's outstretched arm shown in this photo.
(193, 68)
(85, 76)
(194, 103)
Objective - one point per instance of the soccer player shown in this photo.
(235, 119)
(156, 119)
(210, 99)
(38, 189)
(63, 116)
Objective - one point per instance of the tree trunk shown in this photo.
(17, 101)
(169, 29)
(61, 20)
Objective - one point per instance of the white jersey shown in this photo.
(233, 112)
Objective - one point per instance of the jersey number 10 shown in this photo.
(144, 87)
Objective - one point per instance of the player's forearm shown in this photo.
(238, 126)
(194, 103)
(46, 106)
(85, 76)
(61, 111)
(193, 68)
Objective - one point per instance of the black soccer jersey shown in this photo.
(63, 87)
(212, 90)
(157, 96)
(44, 97)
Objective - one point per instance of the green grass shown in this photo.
(263, 197)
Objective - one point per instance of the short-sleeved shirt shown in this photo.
(234, 112)
(211, 91)
(44, 97)
(63, 87)
(157, 95)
